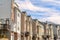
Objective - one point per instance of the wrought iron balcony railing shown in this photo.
(45, 36)
(3, 36)
(27, 34)
(22, 34)
(4, 26)
(35, 35)
(55, 36)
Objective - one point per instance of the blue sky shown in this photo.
(43, 10)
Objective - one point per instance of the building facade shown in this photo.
(58, 32)
(55, 31)
(23, 25)
(48, 31)
(26, 27)
(29, 28)
(5, 18)
(51, 32)
(4, 29)
(12, 21)
(16, 23)
(38, 30)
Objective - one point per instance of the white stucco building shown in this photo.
(10, 10)
(16, 23)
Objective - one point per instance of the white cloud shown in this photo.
(54, 1)
(29, 6)
(55, 19)
(47, 0)
(54, 14)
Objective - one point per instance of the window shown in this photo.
(18, 28)
(18, 25)
(18, 14)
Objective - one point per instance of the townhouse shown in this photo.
(26, 27)
(51, 36)
(23, 25)
(34, 29)
(38, 30)
(51, 31)
(10, 22)
(29, 28)
(58, 32)
(55, 31)
(16, 23)
(48, 31)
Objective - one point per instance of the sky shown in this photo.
(43, 10)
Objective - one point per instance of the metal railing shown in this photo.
(4, 26)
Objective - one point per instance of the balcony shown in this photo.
(35, 35)
(22, 34)
(45, 36)
(55, 36)
(27, 34)
(3, 36)
(4, 26)
(48, 36)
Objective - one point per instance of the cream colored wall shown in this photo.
(23, 25)
(23, 22)
(41, 31)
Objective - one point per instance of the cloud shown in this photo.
(54, 1)
(29, 6)
(55, 19)
(52, 13)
